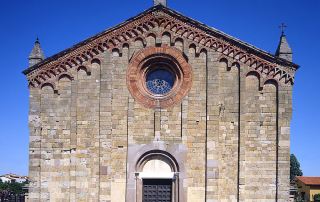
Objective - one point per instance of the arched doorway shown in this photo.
(157, 177)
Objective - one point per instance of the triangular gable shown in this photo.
(178, 25)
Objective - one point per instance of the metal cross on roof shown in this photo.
(282, 27)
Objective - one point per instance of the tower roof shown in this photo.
(36, 52)
(284, 51)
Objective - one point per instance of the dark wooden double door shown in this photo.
(157, 190)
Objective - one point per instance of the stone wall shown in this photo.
(85, 137)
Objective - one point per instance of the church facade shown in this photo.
(160, 108)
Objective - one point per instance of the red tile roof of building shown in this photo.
(309, 180)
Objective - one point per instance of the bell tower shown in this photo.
(36, 54)
(284, 51)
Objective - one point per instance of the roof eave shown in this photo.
(209, 30)
(61, 53)
(243, 45)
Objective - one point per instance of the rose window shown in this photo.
(160, 81)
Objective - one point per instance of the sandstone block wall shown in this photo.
(230, 133)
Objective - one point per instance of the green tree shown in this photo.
(294, 167)
(317, 197)
(12, 187)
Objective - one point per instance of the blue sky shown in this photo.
(60, 24)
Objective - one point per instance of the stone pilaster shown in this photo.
(284, 119)
(34, 144)
(119, 129)
(249, 167)
(105, 127)
(227, 147)
(49, 142)
(73, 137)
(258, 156)
(213, 127)
(196, 129)
(88, 134)
(60, 172)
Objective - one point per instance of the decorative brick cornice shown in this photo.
(180, 26)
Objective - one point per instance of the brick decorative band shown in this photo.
(147, 58)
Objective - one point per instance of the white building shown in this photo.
(13, 178)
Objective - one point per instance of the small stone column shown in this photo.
(162, 2)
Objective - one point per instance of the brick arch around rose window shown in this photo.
(176, 63)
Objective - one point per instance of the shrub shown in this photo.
(316, 197)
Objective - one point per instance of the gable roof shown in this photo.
(222, 41)
(309, 180)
